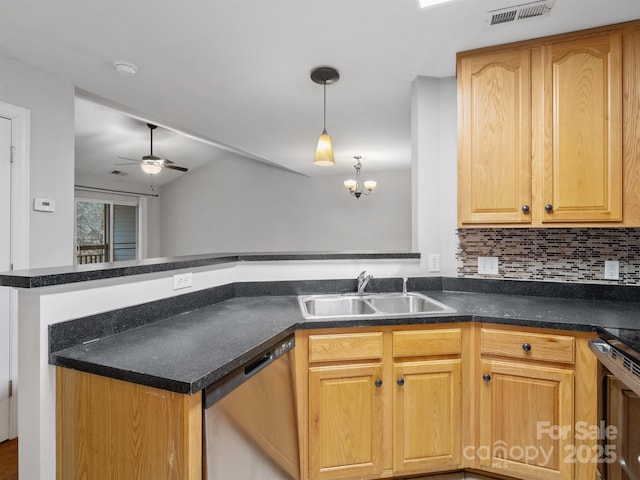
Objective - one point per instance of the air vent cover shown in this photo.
(519, 12)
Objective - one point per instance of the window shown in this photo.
(105, 231)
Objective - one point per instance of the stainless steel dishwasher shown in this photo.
(250, 421)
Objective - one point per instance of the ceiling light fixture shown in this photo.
(324, 153)
(431, 3)
(150, 167)
(126, 69)
(354, 186)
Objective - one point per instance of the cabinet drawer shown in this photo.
(420, 343)
(345, 346)
(535, 346)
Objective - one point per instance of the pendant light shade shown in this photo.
(324, 151)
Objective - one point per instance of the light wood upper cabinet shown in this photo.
(495, 137)
(541, 136)
(582, 97)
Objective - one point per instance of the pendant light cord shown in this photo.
(325, 107)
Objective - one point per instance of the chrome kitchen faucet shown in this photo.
(363, 281)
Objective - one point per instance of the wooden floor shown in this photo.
(9, 460)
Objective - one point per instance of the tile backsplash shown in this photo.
(567, 254)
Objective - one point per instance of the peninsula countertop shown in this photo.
(189, 351)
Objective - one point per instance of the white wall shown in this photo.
(50, 101)
(234, 204)
(434, 170)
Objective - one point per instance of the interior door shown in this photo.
(5, 264)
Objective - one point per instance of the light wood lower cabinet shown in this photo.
(522, 408)
(426, 415)
(533, 388)
(108, 429)
(345, 420)
(394, 402)
(380, 403)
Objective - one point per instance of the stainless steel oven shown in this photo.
(619, 403)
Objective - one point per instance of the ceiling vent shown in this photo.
(519, 12)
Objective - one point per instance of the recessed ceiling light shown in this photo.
(127, 69)
(431, 3)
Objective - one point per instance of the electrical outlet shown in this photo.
(182, 280)
(488, 265)
(434, 262)
(612, 270)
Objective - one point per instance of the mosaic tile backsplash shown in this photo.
(571, 255)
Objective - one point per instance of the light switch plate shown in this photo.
(488, 265)
(434, 262)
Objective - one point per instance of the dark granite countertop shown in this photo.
(187, 352)
(45, 277)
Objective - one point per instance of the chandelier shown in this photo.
(355, 187)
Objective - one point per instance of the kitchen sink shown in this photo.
(370, 305)
(336, 306)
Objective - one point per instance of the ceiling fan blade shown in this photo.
(127, 164)
(175, 167)
(130, 159)
(157, 160)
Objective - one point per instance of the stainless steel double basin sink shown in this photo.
(370, 305)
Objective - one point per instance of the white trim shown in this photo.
(20, 215)
(142, 228)
(20, 205)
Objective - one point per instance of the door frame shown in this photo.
(19, 224)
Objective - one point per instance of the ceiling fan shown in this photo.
(152, 164)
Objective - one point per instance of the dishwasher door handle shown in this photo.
(257, 365)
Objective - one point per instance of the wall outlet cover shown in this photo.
(612, 270)
(488, 265)
(182, 280)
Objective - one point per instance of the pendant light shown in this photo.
(324, 152)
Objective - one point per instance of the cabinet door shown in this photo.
(494, 147)
(427, 411)
(345, 421)
(582, 177)
(526, 421)
(624, 415)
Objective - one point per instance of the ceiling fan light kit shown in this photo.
(324, 151)
(150, 167)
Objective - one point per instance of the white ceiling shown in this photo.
(237, 71)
